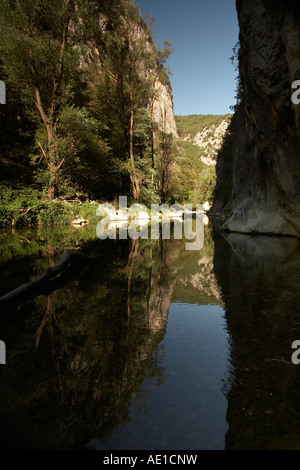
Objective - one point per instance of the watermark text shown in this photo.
(2, 353)
(134, 222)
(296, 355)
(2, 92)
(296, 93)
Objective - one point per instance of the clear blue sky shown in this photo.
(203, 34)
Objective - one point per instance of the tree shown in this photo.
(86, 72)
(235, 59)
(139, 61)
(40, 47)
(129, 61)
(167, 150)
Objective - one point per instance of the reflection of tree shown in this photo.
(131, 262)
(260, 285)
(47, 320)
(92, 356)
(160, 292)
(149, 265)
(87, 360)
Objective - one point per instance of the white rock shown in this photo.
(206, 206)
(79, 222)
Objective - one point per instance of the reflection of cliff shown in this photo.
(160, 292)
(77, 357)
(90, 355)
(195, 279)
(159, 304)
(191, 278)
(204, 280)
(260, 280)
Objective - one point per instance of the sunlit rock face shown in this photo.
(210, 140)
(163, 109)
(211, 143)
(262, 168)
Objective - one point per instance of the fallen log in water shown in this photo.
(69, 264)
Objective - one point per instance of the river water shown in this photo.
(151, 346)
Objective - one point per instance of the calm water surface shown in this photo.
(151, 346)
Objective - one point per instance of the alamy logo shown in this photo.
(2, 353)
(133, 222)
(2, 92)
(295, 356)
(296, 94)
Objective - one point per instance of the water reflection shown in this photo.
(260, 278)
(117, 356)
(151, 346)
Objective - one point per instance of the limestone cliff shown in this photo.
(258, 174)
(163, 109)
(206, 132)
(162, 105)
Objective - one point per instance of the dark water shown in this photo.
(151, 346)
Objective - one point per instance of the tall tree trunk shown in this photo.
(52, 192)
(163, 172)
(52, 164)
(152, 141)
(54, 170)
(164, 162)
(152, 154)
(136, 187)
(131, 260)
(51, 154)
(53, 184)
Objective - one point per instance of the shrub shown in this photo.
(54, 213)
(19, 206)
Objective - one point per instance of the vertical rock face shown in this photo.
(258, 183)
(163, 109)
(210, 140)
(163, 103)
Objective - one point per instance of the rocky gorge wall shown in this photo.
(258, 174)
(163, 109)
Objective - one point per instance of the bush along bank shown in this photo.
(23, 206)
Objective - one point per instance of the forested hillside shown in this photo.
(89, 114)
(84, 117)
(200, 139)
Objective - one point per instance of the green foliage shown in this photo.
(193, 182)
(54, 214)
(85, 151)
(197, 122)
(30, 34)
(80, 95)
(149, 196)
(23, 206)
(163, 69)
(19, 205)
(168, 150)
(43, 67)
(86, 210)
(235, 60)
